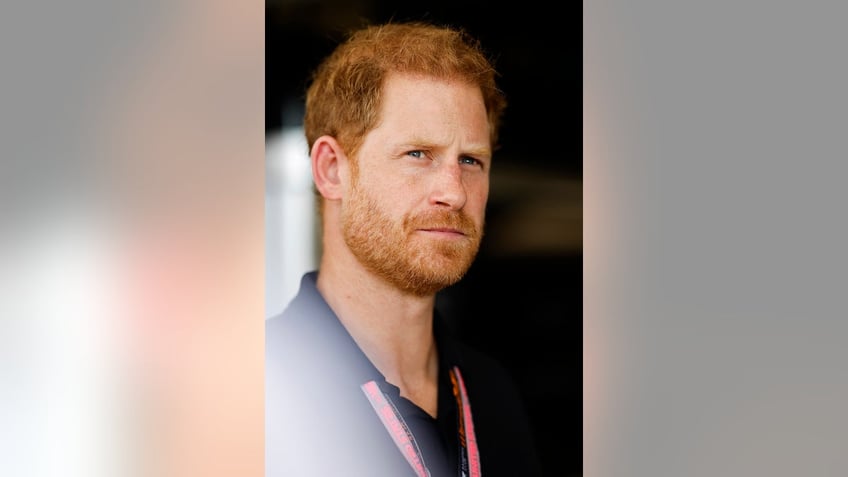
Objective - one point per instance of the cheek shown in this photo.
(389, 198)
(477, 194)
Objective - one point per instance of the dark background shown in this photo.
(522, 299)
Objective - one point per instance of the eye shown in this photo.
(470, 161)
(416, 154)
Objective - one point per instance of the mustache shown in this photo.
(442, 219)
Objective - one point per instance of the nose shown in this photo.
(448, 189)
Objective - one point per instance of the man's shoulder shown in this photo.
(486, 376)
(307, 302)
(285, 322)
(483, 367)
(285, 319)
(501, 419)
(302, 321)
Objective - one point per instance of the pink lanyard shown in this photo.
(469, 460)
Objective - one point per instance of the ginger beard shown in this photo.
(411, 261)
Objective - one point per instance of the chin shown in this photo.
(430, 280)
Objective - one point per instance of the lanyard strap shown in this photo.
(469, 460)
(469, 455)
(397, 427)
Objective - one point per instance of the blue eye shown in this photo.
(417, 154)
(469, 160)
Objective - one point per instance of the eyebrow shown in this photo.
(415, 143)
(480, 151)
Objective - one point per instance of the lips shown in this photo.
(451, 227)
(447, 230)
(442, 222)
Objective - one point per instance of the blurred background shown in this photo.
(135, 180)
(522, 299)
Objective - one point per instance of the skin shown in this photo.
(403, 223)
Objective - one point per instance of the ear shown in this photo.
(329, 167)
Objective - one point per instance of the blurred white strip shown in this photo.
(290, 217)
(59, 343)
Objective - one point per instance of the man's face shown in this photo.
(415, 210)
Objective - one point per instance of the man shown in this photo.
(362, 374)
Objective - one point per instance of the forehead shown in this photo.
(426, 104)
(401, 88)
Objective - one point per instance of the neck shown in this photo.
(393, 329)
